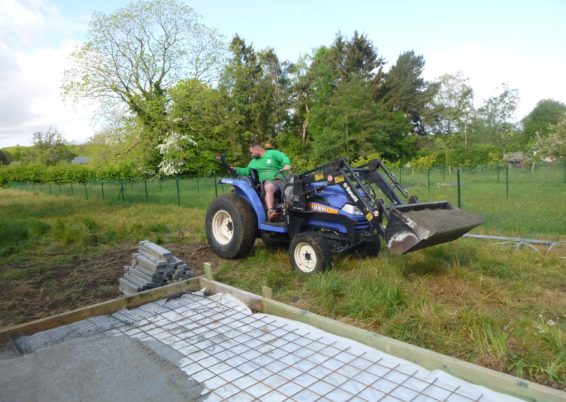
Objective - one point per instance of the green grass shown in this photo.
(529, 204)
(492, 304)
(59, 252)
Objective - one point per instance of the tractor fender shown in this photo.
(243, 189)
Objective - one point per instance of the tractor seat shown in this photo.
(256, 184)
(253, 180)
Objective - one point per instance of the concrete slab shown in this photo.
(99, 368)
(226, 352)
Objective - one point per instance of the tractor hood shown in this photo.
(333, 196)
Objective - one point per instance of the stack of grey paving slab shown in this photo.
(152, 266)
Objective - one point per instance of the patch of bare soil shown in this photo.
(195, 255)
(39, 290)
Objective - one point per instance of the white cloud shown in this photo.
(31, 72)
(488, 67)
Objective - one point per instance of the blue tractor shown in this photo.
(334, 208)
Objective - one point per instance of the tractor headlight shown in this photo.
(352, 210)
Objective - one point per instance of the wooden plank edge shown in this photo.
(107, 307)
(431, 360)
(253, 301)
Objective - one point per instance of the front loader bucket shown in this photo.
(415, 226)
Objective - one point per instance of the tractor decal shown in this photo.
(313, 206)
(350, 192)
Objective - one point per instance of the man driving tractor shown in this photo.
(269, 164)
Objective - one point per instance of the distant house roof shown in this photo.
(79, 160)
(515, 157)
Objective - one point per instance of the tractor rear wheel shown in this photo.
(309, 253)
(231, 226)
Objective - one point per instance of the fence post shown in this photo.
(198, 186)
(86, 191)
(428, 178)
(459, 183)
(177, 184)
(400, 173)
(49, 187)
(507, 181)
(160, 184)
(145, 185)
(121, 193)
(497, 170)
(72, 191)
(102, 188)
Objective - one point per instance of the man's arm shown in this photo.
(244, 171)
(283, 160)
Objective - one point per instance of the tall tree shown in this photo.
(4, 159)
(358, 57)
(272, 92)
(493, 119)
(545, 114)
(404, 88)
(454, 105)
(51, 147)
(200, 115)
(132, 56)
(551, 145)
(256, 84)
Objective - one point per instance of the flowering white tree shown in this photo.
(553, 145)
(172, 150)
(133, 56)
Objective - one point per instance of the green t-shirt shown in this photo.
(267, 166)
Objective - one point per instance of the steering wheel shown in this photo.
(222, 159)
(285, 173)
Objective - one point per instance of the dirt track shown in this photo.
(80, 281)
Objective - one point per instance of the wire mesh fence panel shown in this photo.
(525, 201)
(521, 201)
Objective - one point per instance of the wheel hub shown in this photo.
(222, 227)
(305, 257)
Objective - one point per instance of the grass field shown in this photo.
(495, 305)
(513, 202)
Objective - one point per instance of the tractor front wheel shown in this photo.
(231, 226)
(309, 253)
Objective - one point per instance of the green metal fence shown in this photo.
(523, 201)
(193, 191)
(526, 202)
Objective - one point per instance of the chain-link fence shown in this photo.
(186, 191)
(518, 201)
(514, 201)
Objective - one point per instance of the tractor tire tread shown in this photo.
(245, 226)
(319, 244)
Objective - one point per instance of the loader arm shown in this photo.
(390, 187)
(339, 173)
(410, 225)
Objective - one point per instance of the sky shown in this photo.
(521, 43)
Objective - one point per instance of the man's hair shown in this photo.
(255, 144)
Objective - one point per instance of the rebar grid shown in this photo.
(242, 356)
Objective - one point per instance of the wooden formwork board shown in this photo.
(491, 379)
(107, 307)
